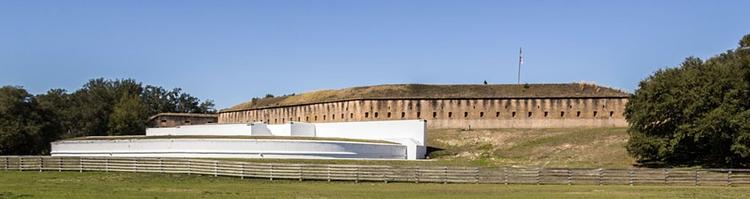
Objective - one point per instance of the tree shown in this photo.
(58, 106)
(128, 116)
(695, 114)
(101, 107)
(23, 129)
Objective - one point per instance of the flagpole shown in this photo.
(520, 61)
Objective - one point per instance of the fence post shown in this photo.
(356, 174)
(385, 175)
(445, 175)
(242, 170)
(6, 163)
(600, 176)
(161, 165)
(329, 172)
(416, 174)
(537, 178)
(666, 176)
(630, 177)
(476, 175)
(80, 164)
(216, 168)
(299, 172)
(59, 169)
(570, 177)
(505, 175)
(20, 163)
(41, 164)
(729, 178)
(190, 166)
(270, 171)
(697, 177)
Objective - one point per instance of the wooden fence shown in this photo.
(383, 173)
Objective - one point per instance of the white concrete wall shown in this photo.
(260, 129)
(407, 132)
(208, 129)
(229, 148)
(410, 133)
(302, 129)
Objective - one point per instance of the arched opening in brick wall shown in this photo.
(466, 114)
(497, 114)
(419, 114)
(578, 114)
(389, 114)
(434, 115)
(481, 114)
(595, 113)
(546, 113)
(376, 114)
(450, 114)
(324, 117)
(513, 114)
(351, 115)
(316, 118)
(367, 114)
(529, 114)
(403, 114)
(562, 113)
(611, 113)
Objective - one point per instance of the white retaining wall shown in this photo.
(207, 129)
(229, 148)
(410, 133)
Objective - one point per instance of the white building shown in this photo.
(394, 139)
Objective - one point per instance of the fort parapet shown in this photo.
(446, 106)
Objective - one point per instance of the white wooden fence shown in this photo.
(383, 173)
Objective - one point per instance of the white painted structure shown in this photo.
(229, 148)
(408, 134)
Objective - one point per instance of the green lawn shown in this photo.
(140, 185)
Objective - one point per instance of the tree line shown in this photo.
(28, 123)
(696, 114)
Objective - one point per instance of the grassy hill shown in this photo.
(424, 91)
(568, 147)
(590, 147)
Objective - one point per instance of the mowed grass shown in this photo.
(147, 185)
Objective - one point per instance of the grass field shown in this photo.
(140, 185)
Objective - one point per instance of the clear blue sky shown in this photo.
(230, 51)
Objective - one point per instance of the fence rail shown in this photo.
(383, 173)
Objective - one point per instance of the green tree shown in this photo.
(128, 116)
(695, 114)
(24, 129)
(101, 107)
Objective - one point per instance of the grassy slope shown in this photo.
(579, 148)
(140, 185)
(595, 147)
(424, 91)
